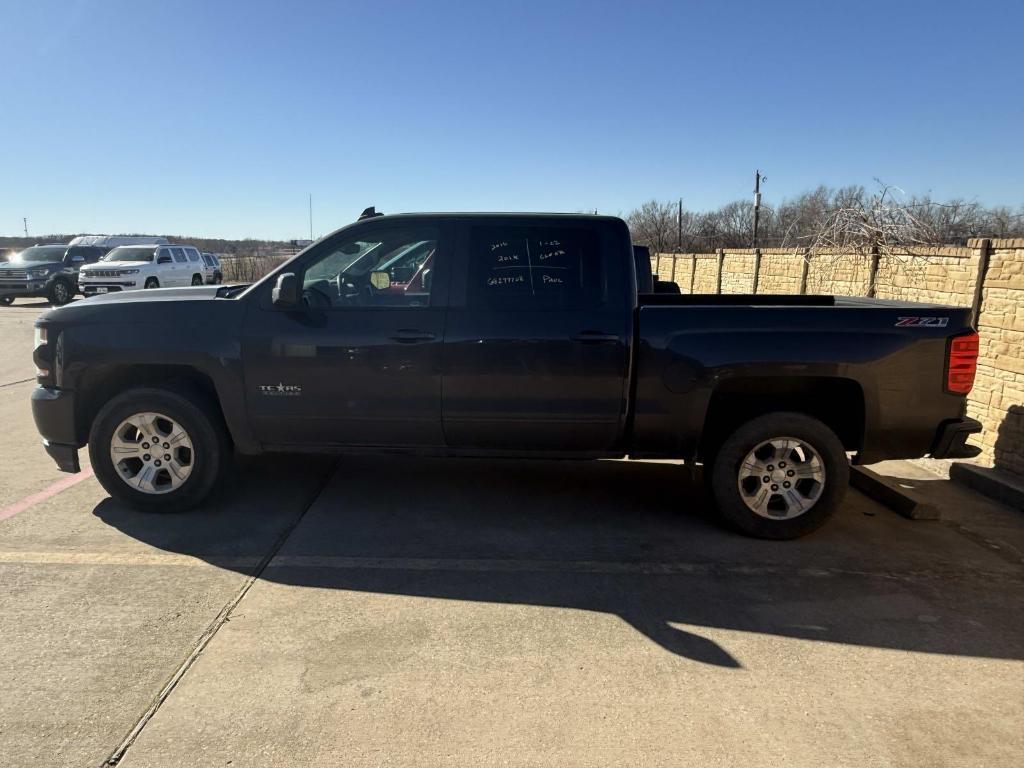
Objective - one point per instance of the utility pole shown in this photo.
(24, 221)
(679, 228)
(757, 202)
(310, 215)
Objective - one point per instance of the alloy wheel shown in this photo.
(152, 453)
(781, 478)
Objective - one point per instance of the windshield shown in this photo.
(341, 260)
(129, 253)
(39, 253)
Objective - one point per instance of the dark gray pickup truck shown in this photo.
(501, 335)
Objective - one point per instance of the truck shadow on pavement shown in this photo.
(635, 540)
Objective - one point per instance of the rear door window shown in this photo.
(525, 268)
(179, 255)
(193, 254)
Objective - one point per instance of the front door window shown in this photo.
(387, 268)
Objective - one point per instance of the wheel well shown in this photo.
(837, 402)
(105, 384)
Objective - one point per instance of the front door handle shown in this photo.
(596, 337)
(412, 336)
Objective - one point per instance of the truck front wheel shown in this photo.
(780, 476)
(157, 450)
(60, 293)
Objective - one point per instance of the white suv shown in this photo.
(131, 267)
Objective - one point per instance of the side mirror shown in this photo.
(164, 260)
(286, 291)
(380, 280)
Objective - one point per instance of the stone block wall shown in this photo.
(997, 400)
(738, 271)
(705, 276)
(937, 275)
(782, 271)
(941, 275)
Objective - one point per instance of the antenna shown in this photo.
(24, 221)
(310, 215)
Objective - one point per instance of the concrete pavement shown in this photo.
(402, 611)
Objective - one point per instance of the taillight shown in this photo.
(961, 363)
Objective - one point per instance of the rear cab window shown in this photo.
(519, 267)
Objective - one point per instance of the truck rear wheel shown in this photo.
(157, 450)
(780, 476)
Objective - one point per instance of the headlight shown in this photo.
(128, 272)
(37, 273)
(38, 356)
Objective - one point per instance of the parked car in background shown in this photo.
(213, 274)
(134, 267)
(48, 271)
(113, 241)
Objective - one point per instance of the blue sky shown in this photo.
(219, 118)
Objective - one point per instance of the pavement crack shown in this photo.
(214, 626)
(20, 381)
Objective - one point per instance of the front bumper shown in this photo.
(107, 286)
(23, 288)
(951, 440)
(54, 413)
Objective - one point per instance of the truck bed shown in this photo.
(882, 358)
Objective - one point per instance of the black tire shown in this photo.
(726, 473)
(151, 282)
(204, 427)
(6, 301)
(218, 278)
(197, 279)
(60, 293)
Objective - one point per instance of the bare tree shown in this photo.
(826, 217)
(655, 225)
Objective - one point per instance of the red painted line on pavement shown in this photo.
(48, 492)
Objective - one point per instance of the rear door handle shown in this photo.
(596, 337)
(412, 336)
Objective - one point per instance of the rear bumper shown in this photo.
(951, 440)
(54, 413)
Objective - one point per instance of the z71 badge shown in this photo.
(932, 322)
